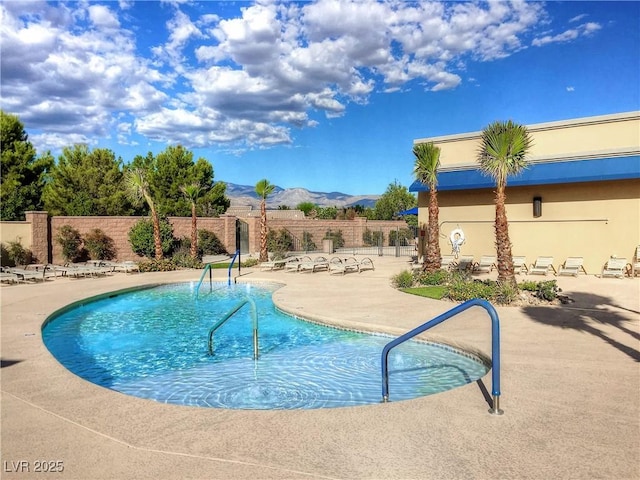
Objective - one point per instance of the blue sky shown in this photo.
(326, 95)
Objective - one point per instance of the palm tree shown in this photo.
(503, 152)
(192, 192)
(426, 171)
(138, 189)
(264, 189)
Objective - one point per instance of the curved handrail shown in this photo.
(232, 312)
(231, 265)
(495, 347)
(206, 268)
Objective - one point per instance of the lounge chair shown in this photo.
(293, 265)
(464, 264)
(615, 267)
(277, 264)
(542, 266)
(447, 262)
(127, 266)
(339, 265)
(572, 266)
(316, 264)
(634, 266)
(9, 277)
(486, 264)
(520, 264)
(24, 274)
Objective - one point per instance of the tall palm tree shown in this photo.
(138, 189)
(503, 151)
(192, 192)
(264, 189)
(426, 171)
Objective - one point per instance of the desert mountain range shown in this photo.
(291, 197)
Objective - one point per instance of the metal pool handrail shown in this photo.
(233, 311)
(495, 348)
(237, 254)
(206, 268)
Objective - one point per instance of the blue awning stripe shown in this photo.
(598, 170)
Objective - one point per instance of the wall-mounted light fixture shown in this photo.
(537, 207)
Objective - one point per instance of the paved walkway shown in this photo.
(570, 392)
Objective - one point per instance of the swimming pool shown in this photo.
(153, 343)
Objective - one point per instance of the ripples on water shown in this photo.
(153, 344)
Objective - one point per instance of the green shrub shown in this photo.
(528, 285)
(141, 238)
(461, 291)
(402, 237)
(505, 293)
(307, 242)
(209, 244)
(157, 266)
(279, 242)
(71, 242)
(182, 256)
(16, 254)
(99, 245)
(5, 260)
(438, 277)
(547, 290)
(250, 262)
(403, 279)
(336, 236)
(372, 239)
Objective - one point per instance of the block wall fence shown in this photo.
(43, 230)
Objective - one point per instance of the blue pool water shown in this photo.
(153, 343)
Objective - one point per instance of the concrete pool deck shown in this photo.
(570, 393)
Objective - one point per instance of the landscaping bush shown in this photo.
(209, 244)
(279, 242)
(547, 290)
(372, 239)
(250, 262)
(401, 237)
(99, 245)
(157, 266)
(336, 236)
(15, 254)
(141, 238)
(71, 242)
(438, 277)
(307, 242)
(403, 279)
(181, 256)
(461, 291)
(505, 293)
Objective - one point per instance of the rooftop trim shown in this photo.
(537, 127)
(547, 173)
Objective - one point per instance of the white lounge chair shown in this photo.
(464, 263)
(293, 265)
(24, 274)
(316, 264)
(447, 262)
(339, 265)
(520, 264)
(542, 266)
(635, 263)
(615, 267)
(572, 266)
(486, 264)
(9, 277)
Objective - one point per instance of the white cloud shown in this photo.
(79, 69)
(585, 29)
(570, 89)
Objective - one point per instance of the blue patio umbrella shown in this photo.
(411, 211)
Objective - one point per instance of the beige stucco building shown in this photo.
(584, 176)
